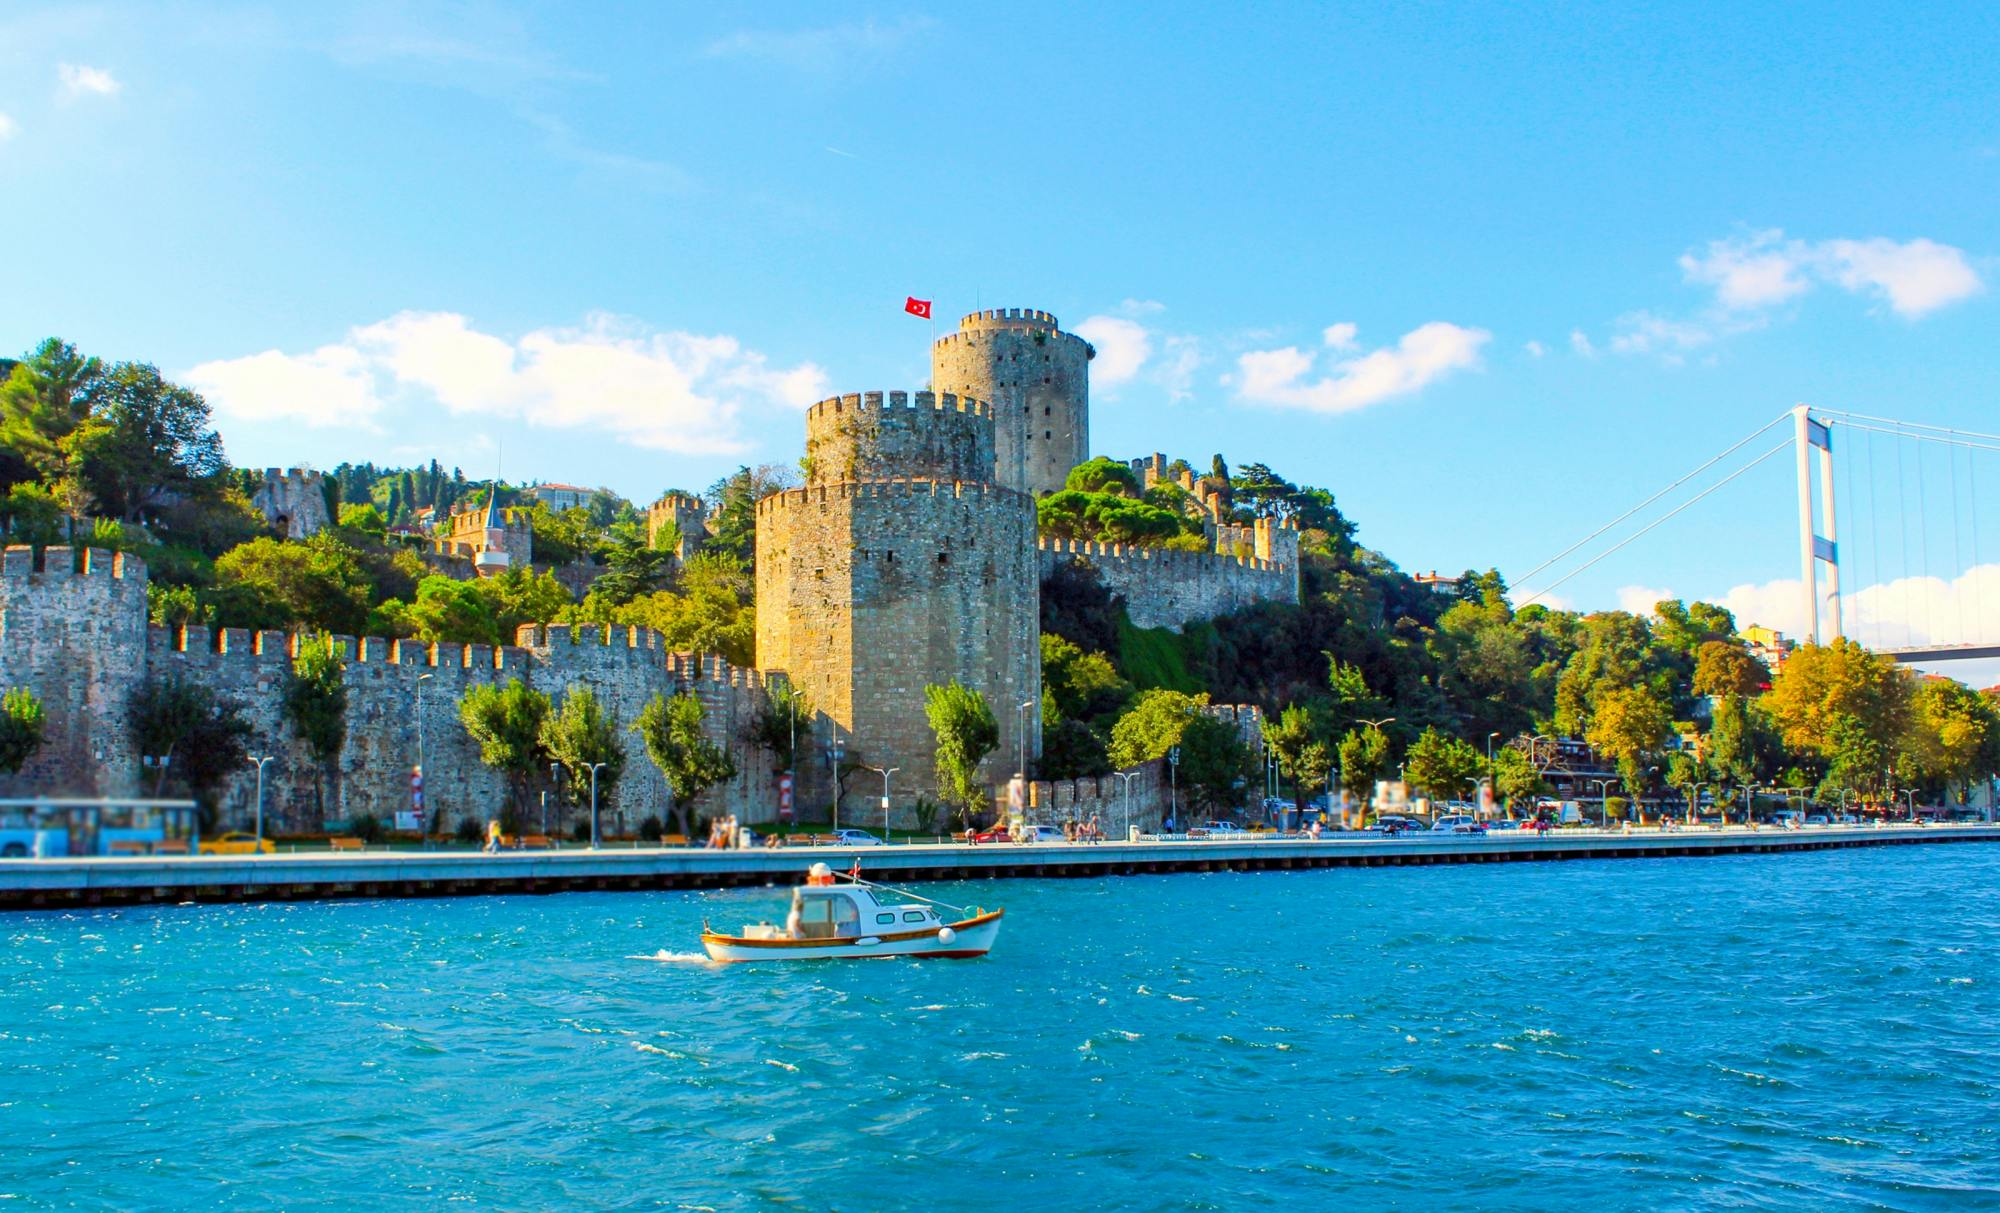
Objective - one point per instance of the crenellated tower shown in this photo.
(899, 565)
(1037, 380)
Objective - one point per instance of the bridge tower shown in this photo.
(1810, 434)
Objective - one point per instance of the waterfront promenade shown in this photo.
(63, 883)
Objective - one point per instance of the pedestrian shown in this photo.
(493, 836)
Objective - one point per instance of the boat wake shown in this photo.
(665, 957)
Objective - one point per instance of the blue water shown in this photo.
(1798, 1032)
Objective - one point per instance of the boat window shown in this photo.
(816, 917)
(846, 917)
(884, 919)
(913, 915)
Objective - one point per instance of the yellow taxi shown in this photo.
(237, 842)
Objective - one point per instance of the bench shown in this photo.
(673, 840)
(535, 842)
(347, 844)
(171, 846)
(127, 846)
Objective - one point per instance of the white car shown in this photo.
(856, 838)
(1045, 834)
(1457, 823)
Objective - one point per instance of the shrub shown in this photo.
(650, 830)
(580, 831)
(367, 827)
(469, 830)
(1615, 807)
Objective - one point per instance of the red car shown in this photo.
(993, 833)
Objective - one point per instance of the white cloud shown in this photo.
(831, 48)
(332, 386)
(1916, 277)
(1181, 358)
(1764, 269)
(1123, 346)
(1645, 333)
(8, 128)
(669, 391)
(1341, 336)
(78, 80)
(1424, 355)
(1893, 614)
(1536, 349)
(1581, 343)
(1640, 599)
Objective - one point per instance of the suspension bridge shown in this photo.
(1890, 547)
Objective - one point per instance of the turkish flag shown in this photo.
(917, 307)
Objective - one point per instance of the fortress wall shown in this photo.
(80, 641)
(1053, 802)
(1170, 589)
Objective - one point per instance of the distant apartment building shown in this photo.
(1767, 645)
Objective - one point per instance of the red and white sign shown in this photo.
(917, 307)
(785, 796)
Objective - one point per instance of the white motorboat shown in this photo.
(843, 917)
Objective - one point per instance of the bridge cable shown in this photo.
(1874, 516)
(1906, 425)
(1661, 519)
(1903, 544)
(1529, 575)
(1957, 553)
(1958, 442)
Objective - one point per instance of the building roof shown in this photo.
(564, 488)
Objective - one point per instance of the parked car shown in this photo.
(1221, 827)
(238, 842)
(1045, 834)
(1818, 819)
(1458, 823)
(998, 832)
(856, 838)
(1397, 825)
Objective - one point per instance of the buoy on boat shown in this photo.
(946, 935)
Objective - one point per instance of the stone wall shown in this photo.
(877, 435)
(294, 501)
(686, 515)
(79, 639)
(1037, 380)
(1052, 802)
(1170, 589)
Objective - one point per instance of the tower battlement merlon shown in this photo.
(834, 407)
(867, 436)
(1009, 317)
(1036, 379)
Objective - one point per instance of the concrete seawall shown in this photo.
(66, 883)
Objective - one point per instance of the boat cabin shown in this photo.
(849, 912)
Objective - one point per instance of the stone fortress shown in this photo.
(908, 558)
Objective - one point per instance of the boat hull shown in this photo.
(970, 938)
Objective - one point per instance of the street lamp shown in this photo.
(884, 772)
(595, 767)
(1021, 727)
(834, 753)
(260, 763)
(1127, 776)
(555, 778)
(1603, 801)
(421, 772)
(1173, 783)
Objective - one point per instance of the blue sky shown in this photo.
(1492, 277)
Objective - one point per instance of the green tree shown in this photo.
(966, 733)
(1153, 725)
(317, 584)
(156, 444)
(1364, 758)
(1846, 706)
(1954, 736)
(1102, 475)
(315, 700)
(689, 761)
(507, 721)
(22, 727)
(581, 734)
(786, 716)
(1299, 739)
(1215, 766)
(1727, 667)
(201, 735)
(1077, 685)
(445, 610)
(1442, 766)
(1516, 780)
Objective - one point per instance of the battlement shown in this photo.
(21, 560)
(221, 648)
(679, 502)
(1165, 559)
(849, 490)
(290, 474)
(913, 403)
(1009, 318)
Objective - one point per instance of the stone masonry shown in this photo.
(293, 500)
(1037, 379)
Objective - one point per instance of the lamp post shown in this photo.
(1021, 727)
(555, 779)
(1173, 783)
(595, 767)
(1492, 773)
(1376, 726)
(1127, 776)
(1603, 801)
(260, 762)
(834, 753)
(884, 772)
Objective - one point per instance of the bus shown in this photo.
(50, 828)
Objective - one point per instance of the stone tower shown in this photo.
(683, 517)
(294, 501)
(900, 564)
(1037, 379)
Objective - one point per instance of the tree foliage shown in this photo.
(966, 733)
(507, 722)
(315, 701)
(22, 727)
(580, 734)
(688, 760)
